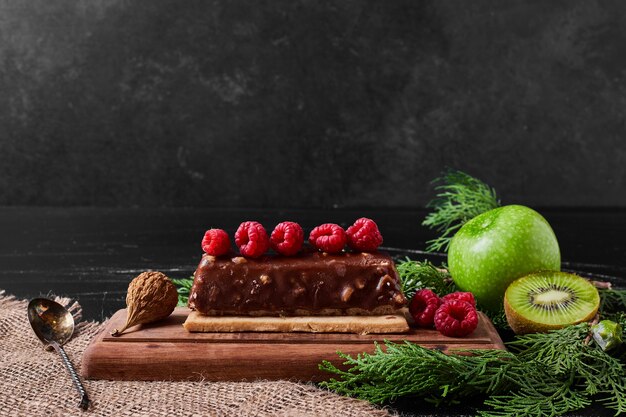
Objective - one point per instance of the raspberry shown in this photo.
(328, 237)
(287, 238)
(459, 295)
(216, 242)
(252, 240)
(364, 236)
(423, 307)
(456, 318)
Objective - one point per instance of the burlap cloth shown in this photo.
(35, 382)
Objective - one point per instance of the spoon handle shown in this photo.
(84, 399)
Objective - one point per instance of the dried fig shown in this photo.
(151, 297)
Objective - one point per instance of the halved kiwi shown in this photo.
(549, 300)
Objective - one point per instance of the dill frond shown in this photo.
(544, 374)
(183, 286)
(612, 300)
(460, 198)
(415, 275)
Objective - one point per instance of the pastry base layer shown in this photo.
(392, 323)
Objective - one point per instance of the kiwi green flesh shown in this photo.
(549, 300)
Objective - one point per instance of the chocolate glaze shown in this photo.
(282, 285)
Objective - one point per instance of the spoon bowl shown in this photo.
(54, 325)
(50, 321)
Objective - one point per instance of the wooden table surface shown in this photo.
(92, 253)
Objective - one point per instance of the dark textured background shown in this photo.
(310, 103)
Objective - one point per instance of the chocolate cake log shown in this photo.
(310, 283)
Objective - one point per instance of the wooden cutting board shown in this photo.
(166, 351)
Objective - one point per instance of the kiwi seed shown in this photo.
(549, 300)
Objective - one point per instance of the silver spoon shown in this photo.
(54, 326)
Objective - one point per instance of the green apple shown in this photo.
(495, 248)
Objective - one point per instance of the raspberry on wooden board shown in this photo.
(423, 307)
(460, 295)
(456, 318)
